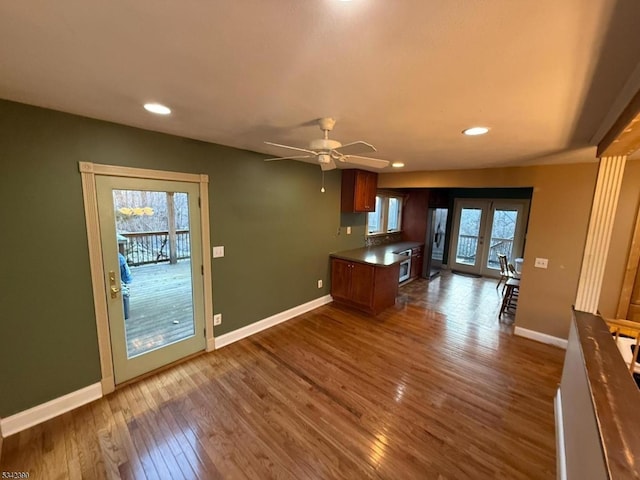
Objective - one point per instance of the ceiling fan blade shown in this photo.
(355, 147)
(365, 161)
(328, 166)
(291, 148)
(294, 157)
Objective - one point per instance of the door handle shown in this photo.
(112, 284)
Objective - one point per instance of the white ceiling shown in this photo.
(405, 75)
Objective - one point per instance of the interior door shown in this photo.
(485, 228)
(152, 258)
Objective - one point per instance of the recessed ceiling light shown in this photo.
(397, 164)
(475, 131)
(157, 108)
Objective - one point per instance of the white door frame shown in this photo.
(88, 172)
(487, 205)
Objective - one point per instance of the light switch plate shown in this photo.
(218, 252)
(541, 263)
(348, 230)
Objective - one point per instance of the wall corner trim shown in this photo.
(541, 337)
(46, 411)
(244, 332)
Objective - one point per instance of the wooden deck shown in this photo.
(161, 310)
(433, 388)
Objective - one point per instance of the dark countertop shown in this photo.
(380, 255)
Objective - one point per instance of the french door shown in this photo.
(150, 233)
(484, 229)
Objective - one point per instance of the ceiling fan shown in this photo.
(328, 151)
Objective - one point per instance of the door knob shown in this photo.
(114, 292)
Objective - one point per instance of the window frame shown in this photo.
(383, 215)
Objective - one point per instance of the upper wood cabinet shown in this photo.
(359, 190)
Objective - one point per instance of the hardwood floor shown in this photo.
(434, 388)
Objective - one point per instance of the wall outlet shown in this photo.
(218, 252)
(541, 263)
(217, 319)
(348, 230)
(319, 283)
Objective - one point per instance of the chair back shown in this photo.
(504, 264)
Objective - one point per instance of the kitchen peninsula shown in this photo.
(367, 278)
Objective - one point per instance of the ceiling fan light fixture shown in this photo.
(324, 158)
(397, 164)
(157, 108)
(473, 131)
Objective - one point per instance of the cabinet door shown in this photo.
(362, 278)
(416, 263)
(365, 191)
(340, 278)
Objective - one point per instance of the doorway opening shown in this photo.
(483, 230)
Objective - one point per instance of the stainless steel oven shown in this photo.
(405, 266)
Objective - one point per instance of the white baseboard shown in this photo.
(244, 332)
(46, 411)
(560, 451)
(541, 337)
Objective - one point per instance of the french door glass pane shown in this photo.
(468, 236)
(503, 232)
(154, 246)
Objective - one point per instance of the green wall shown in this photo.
(276, 227)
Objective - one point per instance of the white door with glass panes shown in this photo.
(387, 216)
(152, 259)
(484, 229)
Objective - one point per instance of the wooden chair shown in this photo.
(512, 271)
(504, 271)
(510, 296)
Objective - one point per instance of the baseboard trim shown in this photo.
(561, 454)
(541, 337)
(244, 332)
(46, 411)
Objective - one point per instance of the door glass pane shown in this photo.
(439, 230)
(503, 232)
(154, 242)
(468, 236)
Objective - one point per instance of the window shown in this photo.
(388, 215)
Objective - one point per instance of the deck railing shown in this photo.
(468, 246)
(142, 248)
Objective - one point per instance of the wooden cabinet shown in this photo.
(417, 255)
(370, 288)
(359, 190)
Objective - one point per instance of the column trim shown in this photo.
(603, 210)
